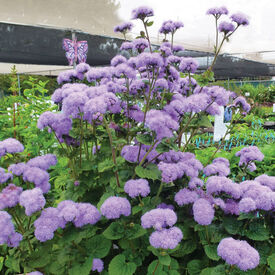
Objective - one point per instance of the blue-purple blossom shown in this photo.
(248, 154)
(123, 27)
(159, 218)
(217, 11)
(266, 180)
(9, 197)
(14, 239)
(240, 18)
(240, 101)
(82, 67)
(239, 253)
(43, 162)
(118, 59)
(4, 176)
(17, 168)
(178, 48)
(226, 27)
(170, 26)
(33, 200)
(114, 207)
(10, 145)
(166, 238)
(203, 212)
(98, 265)
(131, 153)
(37, 272)
(140, 44)
(231, 207)
(195, 182)
(219, 95)
(247, 205)
(124, 70)
(186, 196)
(149, 59)
(188, 65)
(219, 166)
(126, 46)
(142, 12)
(135, 188)
(87, 214)
(163, 205)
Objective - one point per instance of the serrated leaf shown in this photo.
(118, 265)
(232, 225)
(271, 261)
(135, 232)
(211, 252)
(187, 247)
(194, 267)
(12, 264)
(83, 269)
(151, 171)
(98, 246)
(165, 260)
(155, 268)
(105, 165)
(218, 270)
(257, 231)
(114, 231)
(146, 139)
(207, 271)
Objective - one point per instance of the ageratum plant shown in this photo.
(135, 200)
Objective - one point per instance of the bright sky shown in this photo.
(198, 31)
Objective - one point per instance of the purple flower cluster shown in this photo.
(140, 44)
(35, 273)
(203, 211)
(188, 65)
(142, 12)
(241, 101)
(33, 200)
(170, 26)
(217, 11)
(67, 211)
(10, 145)
(43, 162)
(135, 188)
(114, 207)
(266, 180)
(97, 265)
(248, 155)
(7, 233)
(4, 177)
(123, 27)
(240, 19)
(239, 253)
(219, 166)
(226, 27)
(9, 197)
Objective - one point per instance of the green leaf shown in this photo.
(104, 197)
(83, 269)
(187, 247)
(207, 271)
(194, 267)
(257, 231)
(145, 139)
(118, 265)
(114, 231)
(246, 216)
(232, 225)
(39, 258)
(151, 171)
(98, 246)
(166, 146)
(135, 232)
(136, 209)
(1, 262)
(12, 264)
(271, 261)
(149, 24)
(173, 272)
(105, 165)
(156, 268)
(202, 121)
(219, 270)
(211, 252)
(165, 260)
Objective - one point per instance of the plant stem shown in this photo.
(159, 191)
(147, 35)
(81, 140)
(147, 153)
(112, 149)
(156, 268)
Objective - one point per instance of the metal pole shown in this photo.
(74, 38)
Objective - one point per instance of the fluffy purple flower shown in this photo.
(135, 188)
(14, 239)
(203, 212)
(124, 70)
(169, 171)
(189, 65)
(226, 27)
(186, 196)
(130, 153)
(195, 182)
(33, 200)
(219, 94)
(97, 265)
(10, 145)
(87, 214)
(161, 123)
(118, 59)
(38, 176)
(82, 67)
(170, 26)
(166, 238)
(43, 162)
(248, 154)
(241, 101)
(247, 205)
(114, 207)
(159, 218)
(123, 27)
(4, 176)
(178, 48)
(149, 59)
(142, 12)
(36, 272)
(239, 253)
(96, 74)
(163, 205)
(140, 44)
(266, 180)
(217, 11)
(231, 207)
(126, 46)
(17, 168)
(220, 166)
(9, 197)
(240, 18)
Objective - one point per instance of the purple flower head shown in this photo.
(123, 27)
(248, 154)
(68, 210)
(124, 70)
(96, 74)
(241, 101)
(165, 51)
(17, 168)
(33, 200)
(125, 46)
(43, 162)
(161, 84)
(189, 65)
(140, 44)
(170, 26)
(97, 265)
(240, 18)
(161, 123)
(186, 196)
(217, 11)
(166, 238)
(4, 176)
(178, 48)
(266, 180)
(38, 176)
(195, 182)
(82, 68)
(36, 272)
(14, 239)
(149, 59)
(247, 205)
(118, 59)
(142, 12)
(173, 60)
(76, 183)
(231, 207)
(10, 145)
(219, 168)
(203, 212)
(219, 94)
(87, 214)
(114, 207)
(130, 153)
(163, 205)
(9, 197)
(135, 188)
(159, 218)
(239, 253)
(226, 27)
